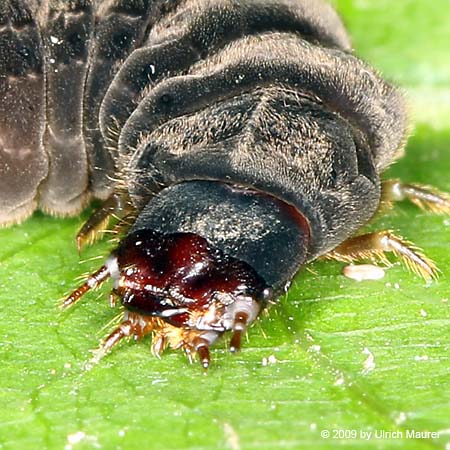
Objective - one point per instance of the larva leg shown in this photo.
(132, 325)
(425, 197)
(116, 205)
(93, 281)
(374, 246)
(194, 343)
(125, 329)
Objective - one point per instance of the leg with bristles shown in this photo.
(134, 325)
(373, 246)
(115, 205)
(425, 197)
(125, 329)
(94, 280)
(158, 344)
(240, 323)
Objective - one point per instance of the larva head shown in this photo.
(182, 279)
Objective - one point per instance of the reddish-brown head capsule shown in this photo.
(182, 279)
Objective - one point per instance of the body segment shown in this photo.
(66, 34)
(23, 160)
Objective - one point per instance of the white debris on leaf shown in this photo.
(401, 418)
(231, 437)
(363, 272)
(270, 360)
(159, 381)
(75, 438)
(369, 363)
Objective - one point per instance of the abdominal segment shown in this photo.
(66, 36)
(23, 161)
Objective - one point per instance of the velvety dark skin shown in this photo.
(101, 57)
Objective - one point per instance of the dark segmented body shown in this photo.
(84, 82)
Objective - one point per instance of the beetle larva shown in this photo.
(243, 137)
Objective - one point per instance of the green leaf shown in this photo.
(332, 355)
